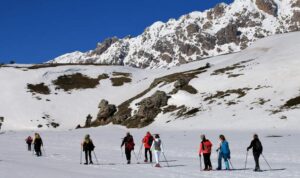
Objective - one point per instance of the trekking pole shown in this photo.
(122, 152)
(231, 163)
(137, 160)
(266, 161)
(44, 150)
(81, 155)
(200, 162)
(246, 160)
(166, 159)
(96, 158)
(140, 151)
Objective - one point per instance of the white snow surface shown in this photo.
(274, 67)
(62, 158)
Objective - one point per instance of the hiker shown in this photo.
(147, 141)
(87, 148)
(29, 142)
(157, 148)
(257, 149)
(129, 146)
(38, 143)
(205, 150)
(224, 152)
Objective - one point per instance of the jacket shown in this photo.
(256, 146)
(148, 140)
(88, 145)
(224, 148)
(205, 147)
(128, 142)
(157, 145)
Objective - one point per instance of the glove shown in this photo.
(200, 155)
(247, 149)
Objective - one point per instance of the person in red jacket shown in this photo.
(147, 141)
(205, 150)
(129, 146)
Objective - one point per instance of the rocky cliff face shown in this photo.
(220, 30)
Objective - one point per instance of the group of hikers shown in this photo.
(37, 143)
(224, 152)
(153, 144)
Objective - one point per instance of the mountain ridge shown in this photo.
(197, 35)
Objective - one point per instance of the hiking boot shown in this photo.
(91, 162)
(157, 165)
(128, 162)
(218, 169)
(145, 161)
(85, 163)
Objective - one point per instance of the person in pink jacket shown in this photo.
(205, 150)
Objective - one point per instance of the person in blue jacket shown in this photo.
(224, 152)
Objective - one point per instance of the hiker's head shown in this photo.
(156, 136)
(255, 136)
(222, 137)
(203, 137)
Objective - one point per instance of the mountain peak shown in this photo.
(197, 35)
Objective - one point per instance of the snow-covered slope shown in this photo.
(223, 29)
(245, 90)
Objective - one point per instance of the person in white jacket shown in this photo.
(157, 148)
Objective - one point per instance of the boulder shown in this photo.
(106, 111)
(268, 6)
(150, 107)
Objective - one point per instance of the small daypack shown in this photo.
(150, 140)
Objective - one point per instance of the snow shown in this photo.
(181, 149)
(174, 31)
(274, 62)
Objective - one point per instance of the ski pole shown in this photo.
(246, 160)
(231, 163)
(96, 157)
(81, 155)
(166, 159)
(122, 153)
(44, 150)
(137, 160)
(140, 151)
(266, 161)
(200, 162)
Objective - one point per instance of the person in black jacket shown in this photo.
(38, 143)
(257, 149)
(129, 146)
(88, 147)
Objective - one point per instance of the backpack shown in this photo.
(150, 140)
(157, 145)
(258, 146)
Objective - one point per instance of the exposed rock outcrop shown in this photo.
(268, 6)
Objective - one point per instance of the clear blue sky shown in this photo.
(33, 31)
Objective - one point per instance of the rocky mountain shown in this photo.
(256, 88)
(220, 30)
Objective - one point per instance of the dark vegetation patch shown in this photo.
(119, 81)
(234, 75)
(261, 101)
(39, 66)
(40, 88)
(274, 136)
(261, 87)
(241, 92)
(172, 108)
(293, 103)
(124, 74)
(229, 69)
(77, 81)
